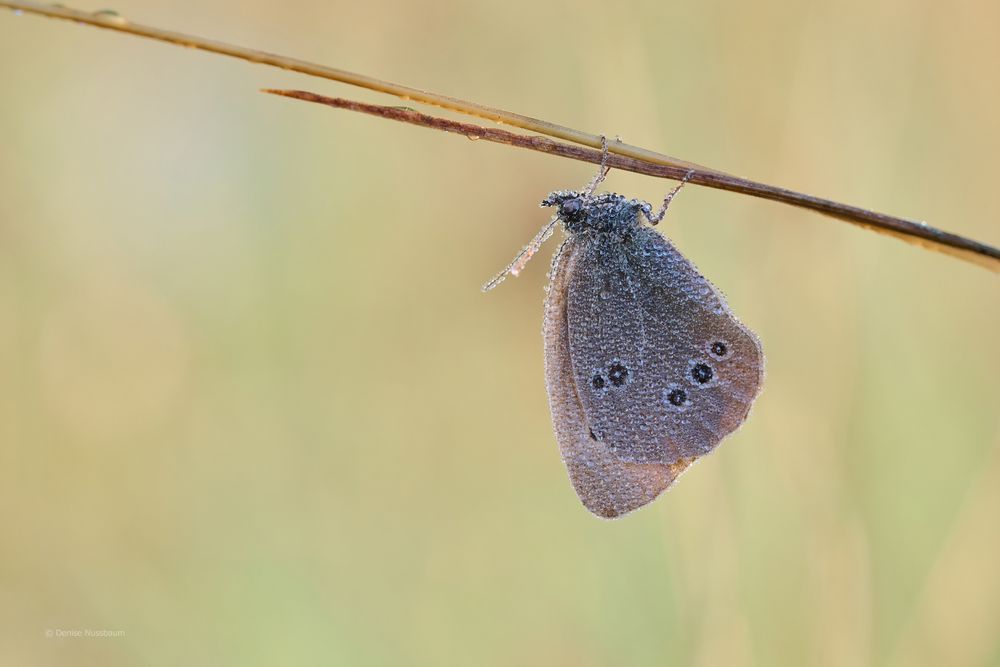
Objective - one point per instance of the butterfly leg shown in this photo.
(601, 173)
(653, 219)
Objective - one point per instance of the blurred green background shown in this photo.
(255, 410)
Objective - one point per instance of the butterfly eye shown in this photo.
(572, 209)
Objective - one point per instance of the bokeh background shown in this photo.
(255, 410)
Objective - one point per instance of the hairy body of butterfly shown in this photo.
(647, 368)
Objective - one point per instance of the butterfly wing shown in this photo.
(663, 368)
(607, 486)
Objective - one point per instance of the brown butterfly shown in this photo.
(647, 368)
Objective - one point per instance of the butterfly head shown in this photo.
(606, 213)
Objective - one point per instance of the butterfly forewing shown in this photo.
(608, 345)
(607, 485)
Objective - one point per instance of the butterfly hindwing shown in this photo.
(663, 369)
(698, 351)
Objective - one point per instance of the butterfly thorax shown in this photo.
(608, 214)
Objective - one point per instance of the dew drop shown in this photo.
(109, 16)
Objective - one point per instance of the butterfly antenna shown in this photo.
(522, 258)
(666, 200)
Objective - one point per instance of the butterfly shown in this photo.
(647, 368)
